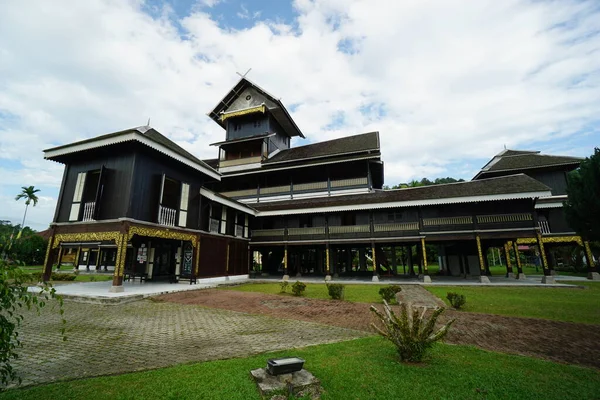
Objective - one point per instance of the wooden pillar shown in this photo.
(375, 274)
(117, 285)
(394, 266)
(548, 278)
(89, 257)
(286, 275)
(196, 257)
(327, 264)
(411, 270)
(424, 256)
(48, 260)
(520, 274)
(99, 259)
(227, 259)
(509, 269)
(482, 262)
(59, 259)
(591, 267)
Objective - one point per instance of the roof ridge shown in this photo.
(457, 183)
(333, 140)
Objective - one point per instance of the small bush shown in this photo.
(93, 278)
(283, 285)
(298, 288)
(388, 293)
(456, 300)
(411, 333)
(336, 291)
(57, 276)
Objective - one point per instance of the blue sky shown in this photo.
(446, 83)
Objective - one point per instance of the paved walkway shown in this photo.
(147, 334)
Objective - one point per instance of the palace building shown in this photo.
(137, 205)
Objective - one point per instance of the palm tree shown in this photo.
(28, 193)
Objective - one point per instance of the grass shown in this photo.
(359, 369)
(560, 304)
(67, 270)
(355, 293)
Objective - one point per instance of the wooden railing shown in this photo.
(275, 189)
(349, 182)
(310, 186)
(268, 232)
(349, 229)
(166, 216)
(306, 231)
(447, 221)
(486, 219)
(240, 193)
(88, 211)
(401, 226)
(240, 161)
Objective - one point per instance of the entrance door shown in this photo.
(164, 261)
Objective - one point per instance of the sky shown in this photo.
(447, 83)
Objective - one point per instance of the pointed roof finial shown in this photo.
(243, 76)
(148, 123)
(504, 146)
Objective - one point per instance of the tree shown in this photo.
(28, 193)
(14, 298)
(582, 208)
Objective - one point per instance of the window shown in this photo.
(173, 202)
(89, 187)
(394, 216)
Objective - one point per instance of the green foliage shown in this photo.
(336, 291)
(14, 296)
(423, 182)
(29, 194)
(283, 286)
(30, 248)
(55, 276)
(456, 300)
(582, 208)
(388, 293)
(411, 333)
(298, 288)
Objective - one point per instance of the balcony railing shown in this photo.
(447, 221)
(487, 219)
(306, 231)
(268, 232)
(166, 216)
(88, 211)
(349, 229)
(402, 226)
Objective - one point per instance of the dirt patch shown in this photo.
(558, 341)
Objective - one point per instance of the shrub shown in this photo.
(388, 293)
(456, 300)
(93, 278)
(283, 285)
(57, 276)
(411, 333)
(298, 288)
(336, 291)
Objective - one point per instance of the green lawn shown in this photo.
(356, 293)
(358, 369)
(67, 270)
(560, 304)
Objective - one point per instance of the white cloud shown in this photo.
(445, 82)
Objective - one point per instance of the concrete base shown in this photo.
(375, 278)
(521, 276)
(227, 278)
(548, 280)
(116, 289)
(594, 276)
(286, 277)
(426, 279)
(552, 272)
(302, 384)
(510, 275)
(327, 278)
(484, 279)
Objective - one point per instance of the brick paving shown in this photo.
(105, 340)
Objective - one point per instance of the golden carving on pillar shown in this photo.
(543, 252)
(227, 259)
(327, 259)
(121, 255)
(48, 250)
(563, 239)
(480, 253)
(374, 259)
(507, 253)
(517, 258)
(285, 259)
(197, 267)
(424, 250)
(163, 234)
(588, 253)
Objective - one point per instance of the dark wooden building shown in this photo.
(138, 204)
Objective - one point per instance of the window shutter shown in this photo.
(224, 220)
(99, 191)
(246, 227)
(160, 199)
(77, 195)
(183, 206)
